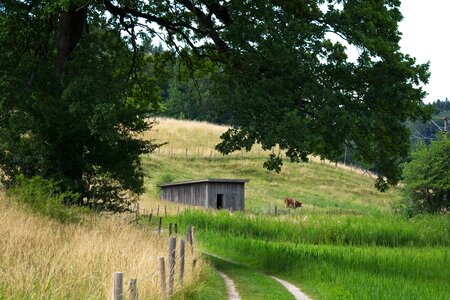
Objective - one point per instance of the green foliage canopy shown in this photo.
(75, 85)
(79, 127)
(298, 88)
(427, 177)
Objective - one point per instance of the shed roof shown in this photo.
(211, 180)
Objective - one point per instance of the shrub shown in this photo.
(45, 197)
(427, 178)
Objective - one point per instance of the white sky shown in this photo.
(426, 36)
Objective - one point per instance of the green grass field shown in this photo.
(411, 266)
(346, 243)
(250, 284)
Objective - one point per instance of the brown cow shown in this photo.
(292, 203)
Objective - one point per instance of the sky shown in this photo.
(426, 36)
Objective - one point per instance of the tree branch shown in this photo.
(206, 23)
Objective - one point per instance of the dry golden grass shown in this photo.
(149, 204)
(198, 139)
(190, 138)
(43, 259)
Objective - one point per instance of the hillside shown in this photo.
(189, 154)
(346, 243)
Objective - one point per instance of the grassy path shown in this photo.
(251, 284)
(232, 292)
(298, 294)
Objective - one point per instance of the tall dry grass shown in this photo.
(195, 139)
(43, 259)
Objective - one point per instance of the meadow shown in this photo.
(44, 258)
(396, 259)
(189, 154)
(345, 243)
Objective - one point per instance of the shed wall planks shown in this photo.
(205, 193)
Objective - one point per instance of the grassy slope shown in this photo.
(346, 224)
(318, 185)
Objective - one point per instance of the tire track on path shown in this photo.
(298, 294)
(232, 292)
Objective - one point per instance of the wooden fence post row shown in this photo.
(166, 287)
(117, 292)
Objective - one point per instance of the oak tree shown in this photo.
(74, 86)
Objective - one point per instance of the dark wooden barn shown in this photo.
(215, 193)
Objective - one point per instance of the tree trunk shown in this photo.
(72, 25)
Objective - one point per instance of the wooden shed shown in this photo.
(215, 193)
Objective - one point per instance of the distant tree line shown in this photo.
(189, 95)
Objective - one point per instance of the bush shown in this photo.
(427, 178)
(44, 196)
(165, 178)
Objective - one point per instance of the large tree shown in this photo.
(284, 75)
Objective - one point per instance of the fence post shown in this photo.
(165, 211)
(192, 236)
(117, 286)
(181, 262)
(176, 228)
(150, 218)
(188, 234)
(162, 276)
(275, 210)
(159, 227)
(134, 295)
(137, 211)
(194, 262)
(170, 228)
(157, 212)
(172, 245)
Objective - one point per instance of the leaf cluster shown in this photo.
(427, 178)
(80, 130)
(291, 83)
